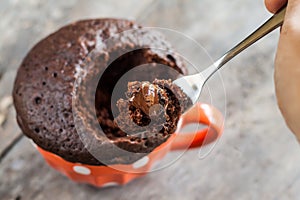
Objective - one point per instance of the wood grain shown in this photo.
(256, 158)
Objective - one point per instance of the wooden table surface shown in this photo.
(256, 158)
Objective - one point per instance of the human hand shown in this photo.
(287, 64)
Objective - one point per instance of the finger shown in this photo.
(292, 16)
(287, 67)
(274, 5)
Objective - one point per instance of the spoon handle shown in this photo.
(274, 22)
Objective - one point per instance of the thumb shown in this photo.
(274, 5)
(287, 68)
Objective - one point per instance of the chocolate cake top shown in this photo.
(47, 80)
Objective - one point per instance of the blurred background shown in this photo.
(256, 158)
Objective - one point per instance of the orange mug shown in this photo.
(121, 174)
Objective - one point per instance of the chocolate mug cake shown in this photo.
(45, 82)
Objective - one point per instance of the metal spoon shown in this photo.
(192, 84)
